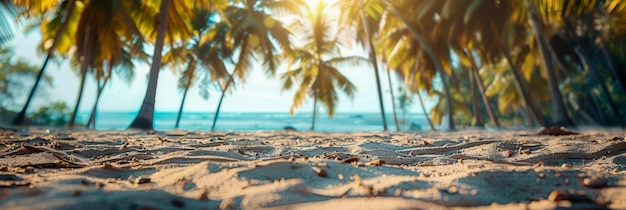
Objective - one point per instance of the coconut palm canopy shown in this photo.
(480, 62)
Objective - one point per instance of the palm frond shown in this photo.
(350, 61)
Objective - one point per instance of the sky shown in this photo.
(259, 94)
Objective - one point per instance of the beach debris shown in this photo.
(617, 138)
(526, 152)
(142, 180)
(377, 162)
(453, 189)
(350, 160)
(204, 195)
(292, 159)
(99, 185)
(595, 182)
(426, 143)
(569, 195)
(567, 165)
(555, 131)
(340, 176)
(320, 172)
(227, 204)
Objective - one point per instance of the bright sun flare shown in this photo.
(313, 3)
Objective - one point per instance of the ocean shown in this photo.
(247, 121)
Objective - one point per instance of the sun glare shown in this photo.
(313, 3)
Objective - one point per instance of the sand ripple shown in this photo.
(303, 170)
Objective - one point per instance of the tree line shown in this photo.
(486, 62)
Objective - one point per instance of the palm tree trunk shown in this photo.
(91, 123)
(187, 86)
(560, 116)
(611, 65)
(21, 116)
(314, 111)
(83, 71)
(523, 91)
(393, 101)
(373, 58)
(531, 112)
(430, 122)
(85, 65)
(217, 111)
(429, 50)
(603, 88)
(477, 114)
(180, 110)
(145, 117)
(219, 104)
(481, 88)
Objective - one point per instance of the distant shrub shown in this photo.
(56, 114)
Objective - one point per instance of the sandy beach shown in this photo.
(472, 169)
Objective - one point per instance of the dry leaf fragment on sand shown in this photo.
(376, 163)
(569, 195)
(350, 160)
(142, 180)
(595, 182)
(320, 172)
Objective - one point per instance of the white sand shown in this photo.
(304, 170)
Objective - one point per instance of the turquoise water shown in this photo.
(343, 122)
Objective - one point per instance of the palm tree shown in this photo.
(560, 116)
(256, 33)
(97, 34)
(123, 69)
(415, 83)
(316, 67)
(483, 26)
(64, 13)
(481, 88)
(407, 57)
(12, 75)
(101, 82)
(368, 18)
(144, 119)
(393, 101)
(185, 82)
(173, 25)
(200, 48)
(6, 28)
(428, 49)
